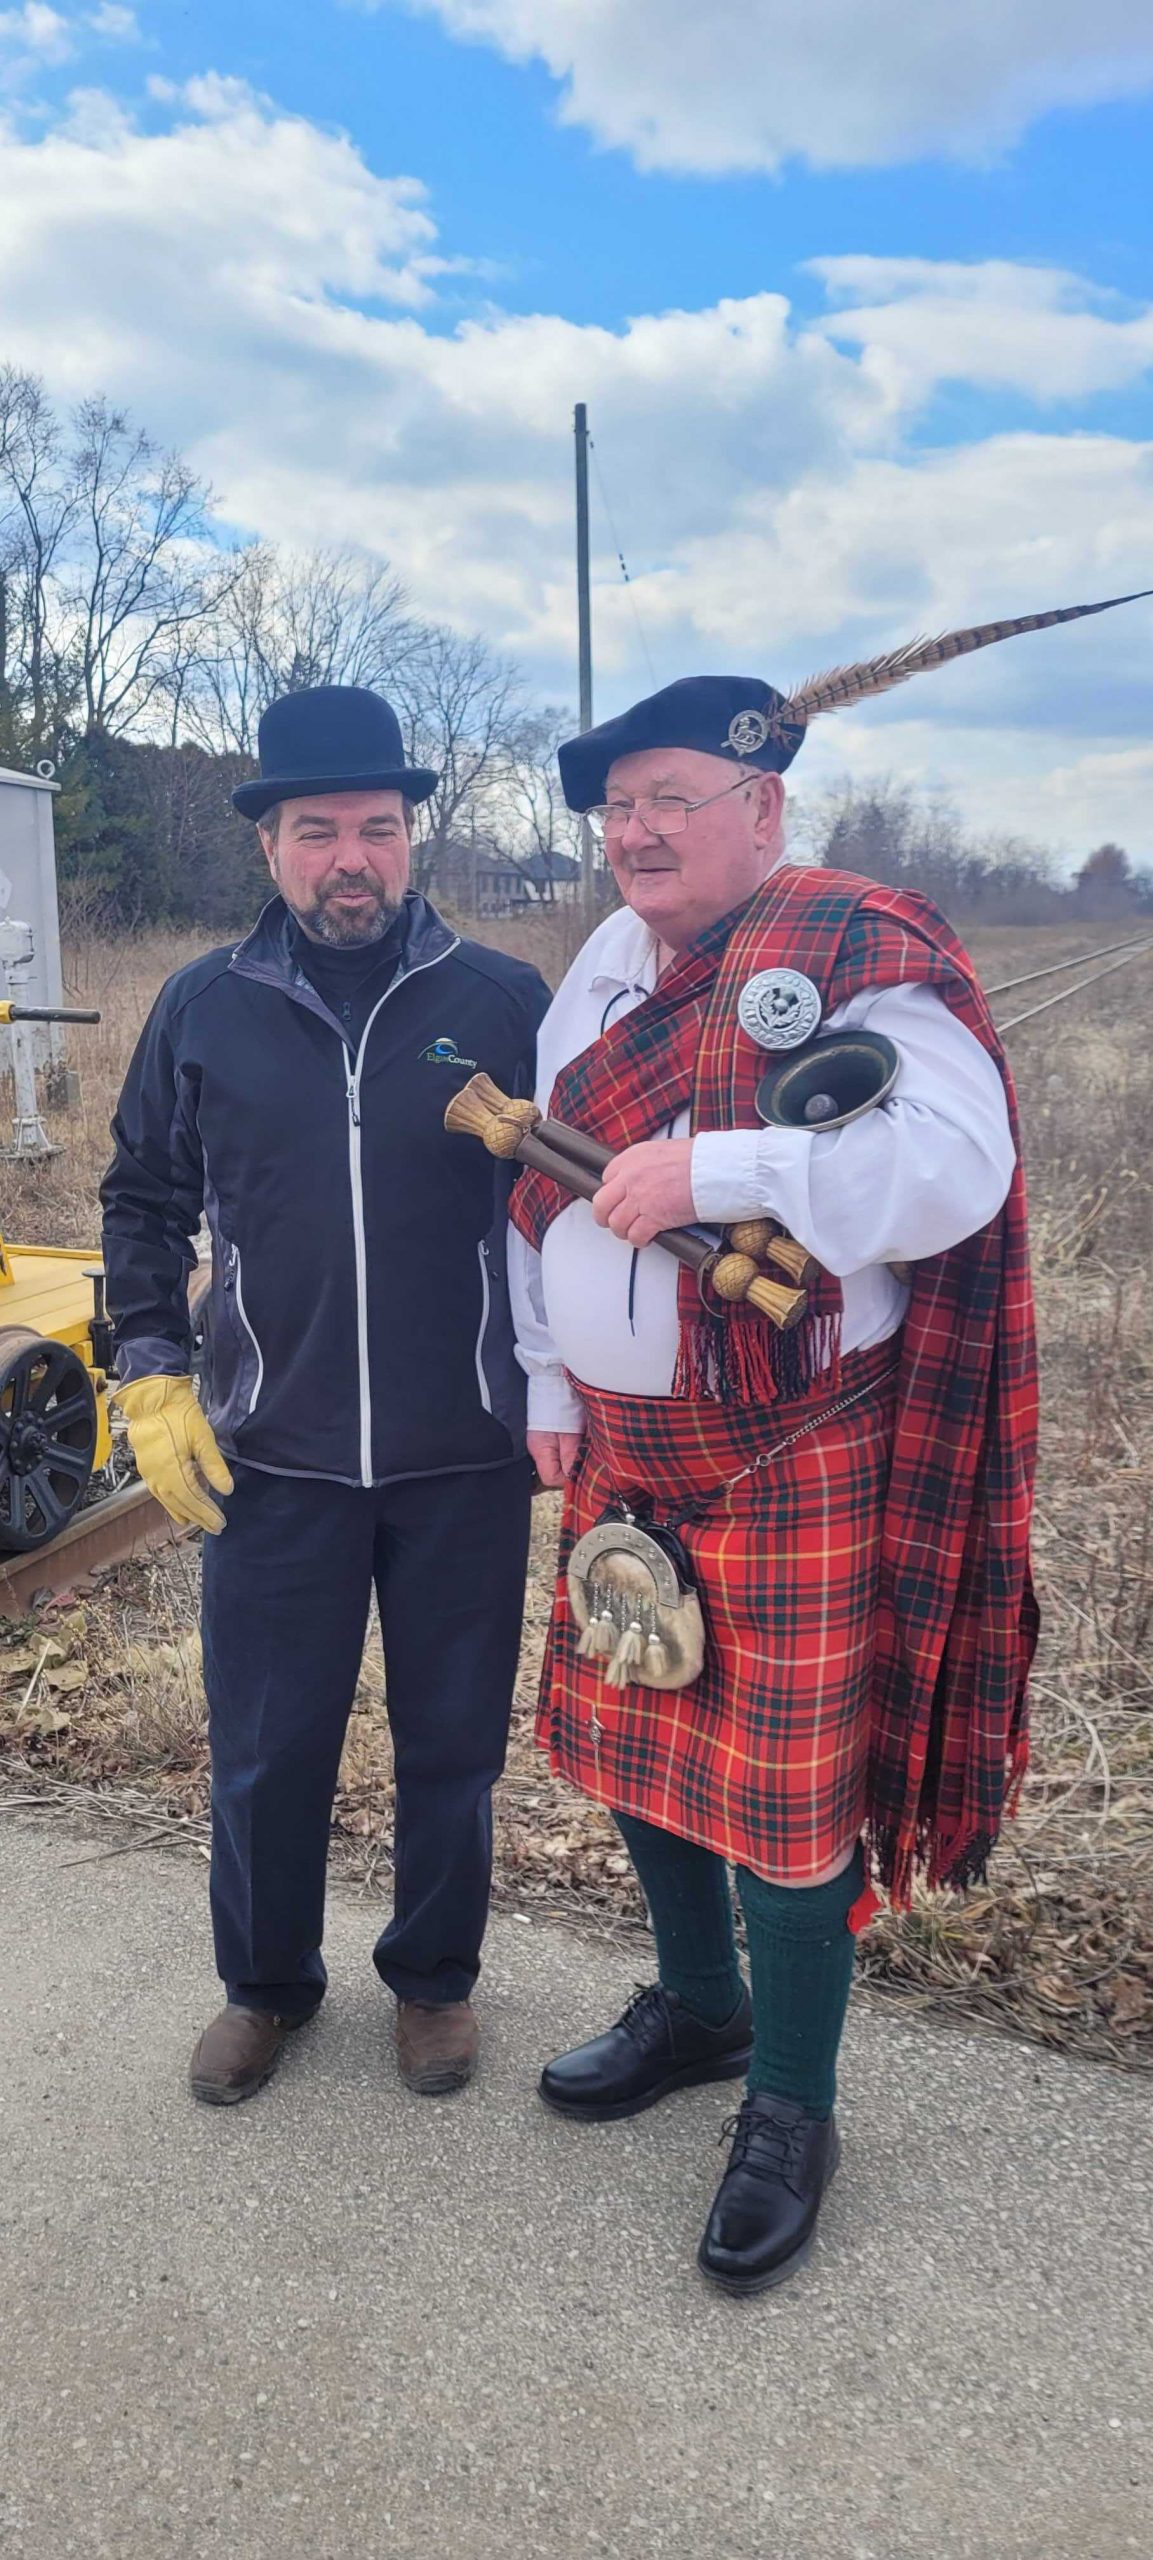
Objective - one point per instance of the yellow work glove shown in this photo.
(175, 1449)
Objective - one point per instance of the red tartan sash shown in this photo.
(958, 1619)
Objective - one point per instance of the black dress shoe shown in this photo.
(764, 2220)
(656, 2046)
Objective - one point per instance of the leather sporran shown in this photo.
(632, 1594)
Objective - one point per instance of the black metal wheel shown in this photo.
(47, 1438)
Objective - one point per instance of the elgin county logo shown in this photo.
(444, 1053)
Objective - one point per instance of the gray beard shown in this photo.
(348, 933)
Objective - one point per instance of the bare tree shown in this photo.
(1106, 884)
(540, 818)
(278, 624)
(886, 833)
(135, 583)
(37, 509)
(342, 621)
(461, 708)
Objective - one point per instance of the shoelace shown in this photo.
(767, 2145)
(647, 2001)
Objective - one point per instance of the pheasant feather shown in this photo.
(842, 685)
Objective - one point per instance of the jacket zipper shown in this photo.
(242, 1312)
(352, 1096)
(485, 1311)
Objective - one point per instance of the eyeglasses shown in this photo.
(661, 817)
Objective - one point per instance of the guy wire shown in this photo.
(623, 564)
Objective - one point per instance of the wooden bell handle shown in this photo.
(735, 1276)
(767, 1243)
(515, 1130)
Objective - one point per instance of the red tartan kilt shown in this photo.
(764, 1758)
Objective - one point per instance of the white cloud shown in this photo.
(30, 37)
(1104, 788)
(238, 218)
(1012, 787)
(36, 35)
(1007, 328)
(747, 84)
(256, 294)
(119, 25)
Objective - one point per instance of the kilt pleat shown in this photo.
(764, 1758)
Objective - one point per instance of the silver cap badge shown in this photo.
(748, 733)
(779, 1008)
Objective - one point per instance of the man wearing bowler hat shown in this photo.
(364, 1426)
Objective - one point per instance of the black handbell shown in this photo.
(829, 1082)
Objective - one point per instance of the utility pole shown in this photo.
(584, 629)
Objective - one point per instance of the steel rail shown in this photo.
(112, 1531)
(1133, 942)
(1048, 1002)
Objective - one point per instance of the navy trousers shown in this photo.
(286, 1594)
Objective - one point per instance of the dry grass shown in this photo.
(1062, 1949)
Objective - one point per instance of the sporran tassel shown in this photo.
(600, 1635)
(629, 1652)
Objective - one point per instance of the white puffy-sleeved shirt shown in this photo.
(928, 1167)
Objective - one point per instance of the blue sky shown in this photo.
(575, 227)
(866, 330)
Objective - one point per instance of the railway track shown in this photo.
(110, 1531)
(113, 1529)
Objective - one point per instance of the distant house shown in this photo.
(480, 880)
(552, 875)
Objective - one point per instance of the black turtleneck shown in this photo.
(349, 979)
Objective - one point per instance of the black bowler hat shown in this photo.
(731, 716)
(333, 737)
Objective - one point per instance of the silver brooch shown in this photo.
(748, 733)
(779, 1008)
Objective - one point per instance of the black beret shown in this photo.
(728, 716)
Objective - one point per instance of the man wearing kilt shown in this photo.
(851, 1496)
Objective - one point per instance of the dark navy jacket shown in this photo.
(360, 1325)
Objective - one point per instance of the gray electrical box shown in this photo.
(28, 887)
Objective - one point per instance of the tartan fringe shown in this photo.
(738, 1358)
(951, 1864)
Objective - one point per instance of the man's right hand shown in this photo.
(175, 1449)
(554, 1455)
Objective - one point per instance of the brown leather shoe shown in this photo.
(437, 2045)
(237, 2054)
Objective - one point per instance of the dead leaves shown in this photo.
(163, 1662)
(1068, 1962)
(133, 1702)
(33, 1675)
